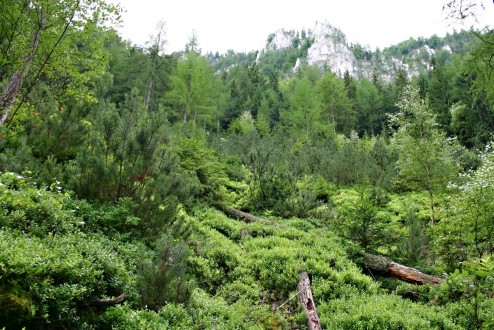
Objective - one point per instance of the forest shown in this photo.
(146, 190)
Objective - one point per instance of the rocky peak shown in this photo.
(331, 50)
(280, 39)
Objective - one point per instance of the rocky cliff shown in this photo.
(326, 46)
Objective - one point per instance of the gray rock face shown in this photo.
(329, 49)
(280, 40)
(326, 47)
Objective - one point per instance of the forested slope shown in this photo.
(147, 190)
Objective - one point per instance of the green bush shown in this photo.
(38, 211)
(367, 312)
(49, 281)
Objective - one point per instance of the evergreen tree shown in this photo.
(363, 223)
(440, 88)
(194, 91)
(400, 82)
(369, 107)
(336, 107)
(304, 112)
(126, 156)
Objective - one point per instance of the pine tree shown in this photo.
(126, 156)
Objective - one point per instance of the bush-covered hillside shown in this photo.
(146, 190)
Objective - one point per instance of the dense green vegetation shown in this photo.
(117, 164)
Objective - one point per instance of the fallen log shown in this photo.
(307, 300)
(108, 302)
(386, 267)
(247, 217)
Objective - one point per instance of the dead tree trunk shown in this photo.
(247, 217)
(386, 267)
(307, 300)
(108, 302)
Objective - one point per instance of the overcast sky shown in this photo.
(245, 25)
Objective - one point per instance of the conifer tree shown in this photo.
(127, 155)
(304, 111)
(335, 105)
(194, 91)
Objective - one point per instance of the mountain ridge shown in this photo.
(326, 47)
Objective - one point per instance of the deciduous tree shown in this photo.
(425, 153)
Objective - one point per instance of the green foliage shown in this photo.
(194, 91)
(381, 312)
(363, 220)
(32, 210)
(243, 124)
(369, 106)
(114, 220)
(304, 113)
(45, 280)
(415, 246)
(57, 42)
(426, 158)
(468, 222)
(248, 263)
(163, 279)
(469, 294)
(274, 185)
(151, 141)
(169, 317)
(126, 155)
(335, 104)
(202, 168)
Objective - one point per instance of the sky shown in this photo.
(243, 26)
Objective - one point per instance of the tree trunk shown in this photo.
(13, 88)
(389, 268)
(148, 93)
(307, 300)
(108, 302)
(247, 217)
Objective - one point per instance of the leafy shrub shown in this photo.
(163, 279)
(215, 261)
(116, 220)
(48, 280)
(39, 211)
(381, 312)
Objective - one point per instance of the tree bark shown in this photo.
(13, 88)
(386, 267)
(108, 302)
(307, 300)
(247, 217)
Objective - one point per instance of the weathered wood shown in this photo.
(386, 267)
(307, 300)
(247, 217)
(109, 302)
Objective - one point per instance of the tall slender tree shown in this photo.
(335, 105)
(304, 112)
(35, 39)
(425, 153)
